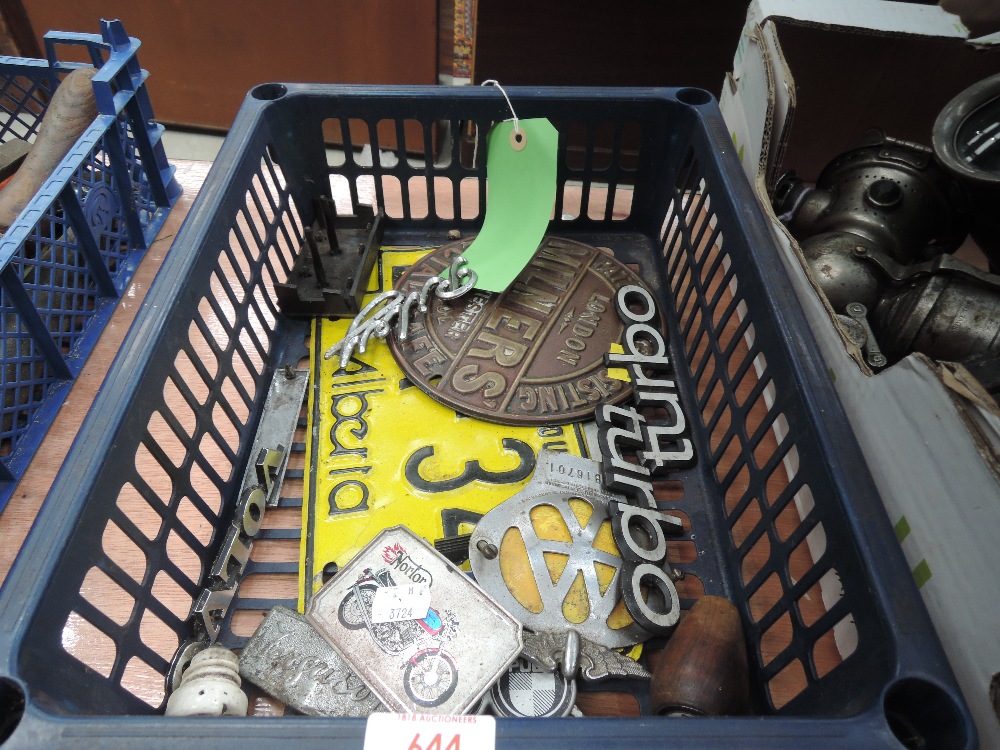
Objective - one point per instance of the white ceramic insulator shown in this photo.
(210, 686)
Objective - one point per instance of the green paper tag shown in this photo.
(522, 191)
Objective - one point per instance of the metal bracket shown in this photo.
(260, 489)
(276, 429)
(873, 355)
(335, 261)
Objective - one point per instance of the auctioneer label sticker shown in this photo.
(386, 731)
(381, 452)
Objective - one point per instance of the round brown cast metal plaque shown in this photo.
(531, 355)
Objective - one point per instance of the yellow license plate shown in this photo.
(381, 452)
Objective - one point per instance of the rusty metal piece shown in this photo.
(886, 193)
(944, 316)
(327, 277)
(288, 659)
(531, 355)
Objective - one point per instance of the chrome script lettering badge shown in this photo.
(660, 446)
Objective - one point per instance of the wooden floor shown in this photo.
(17, 517)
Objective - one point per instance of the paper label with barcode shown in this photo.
(397, 603)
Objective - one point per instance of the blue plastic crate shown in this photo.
(72, 251)
(100, 595)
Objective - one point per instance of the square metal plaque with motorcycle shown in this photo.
(418, 653)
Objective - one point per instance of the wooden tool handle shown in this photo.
(702, 671)
(70, 112)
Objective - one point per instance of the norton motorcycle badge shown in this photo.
(533, 354)
(413, 626)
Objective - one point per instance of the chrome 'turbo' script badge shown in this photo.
(659, 445)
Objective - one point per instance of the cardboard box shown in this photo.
(808, 80)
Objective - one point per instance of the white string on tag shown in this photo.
(518, 138)
(492, 82)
